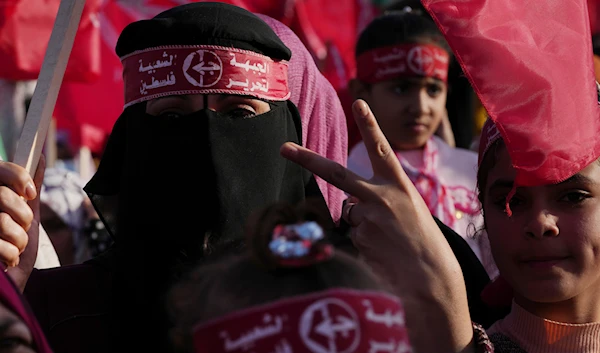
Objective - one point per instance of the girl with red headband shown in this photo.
(402, 72)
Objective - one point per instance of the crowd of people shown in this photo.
(229, 213)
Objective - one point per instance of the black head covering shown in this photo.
(169, 189)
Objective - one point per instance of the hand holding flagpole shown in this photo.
(39, 115)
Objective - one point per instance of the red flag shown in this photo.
(531, 66)
(25, 28)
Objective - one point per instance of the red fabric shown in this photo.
(25, 28)
(531, 67)
(594, 13)
(405, 60)
(202, 69)
(337, 320)
(330, 30)
(88, 111)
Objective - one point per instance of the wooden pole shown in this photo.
(35, 128)
(50, 149)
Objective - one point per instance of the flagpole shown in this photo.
(37, 121)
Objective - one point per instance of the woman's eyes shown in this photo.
(244, 113)
(434, 89)
(171, 115)
(500, 202)
(572, 197)
(401, 89)
(575, 197)
(235, 112)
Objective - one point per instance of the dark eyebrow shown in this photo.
(575, 179)
(579, 179)
(502, 184)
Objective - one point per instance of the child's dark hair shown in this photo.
(256, 277)
(397, 27)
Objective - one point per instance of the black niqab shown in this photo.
(171, 190)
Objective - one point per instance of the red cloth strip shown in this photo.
(400, 61)
(202, 69)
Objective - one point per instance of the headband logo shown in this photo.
(203, 68)
(420, 60)
(330, 326)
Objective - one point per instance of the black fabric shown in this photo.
(204, 23)
(187, 186)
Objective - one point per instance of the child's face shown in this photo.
(549, 249)
(408, 110)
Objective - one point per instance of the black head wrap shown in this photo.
(171, 189)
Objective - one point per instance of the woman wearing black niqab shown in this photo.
(195, 151)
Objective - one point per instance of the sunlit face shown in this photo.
(15, 336)
(239, 106)
(409, 110)
(549, 249)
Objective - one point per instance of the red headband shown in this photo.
(337, 320)
(405, 60)
(202, 69)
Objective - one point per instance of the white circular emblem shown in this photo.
(203, 68)
(420, 61)
(330, 326)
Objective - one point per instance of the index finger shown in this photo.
(332, 172)
(383, 158)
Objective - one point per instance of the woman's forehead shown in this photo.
(501, 167)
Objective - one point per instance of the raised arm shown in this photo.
(397, 236)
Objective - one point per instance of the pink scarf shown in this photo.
(324, 128)
(442, 200)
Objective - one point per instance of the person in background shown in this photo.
(402, 74)
(69, 218)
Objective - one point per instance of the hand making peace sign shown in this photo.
(397, 236)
